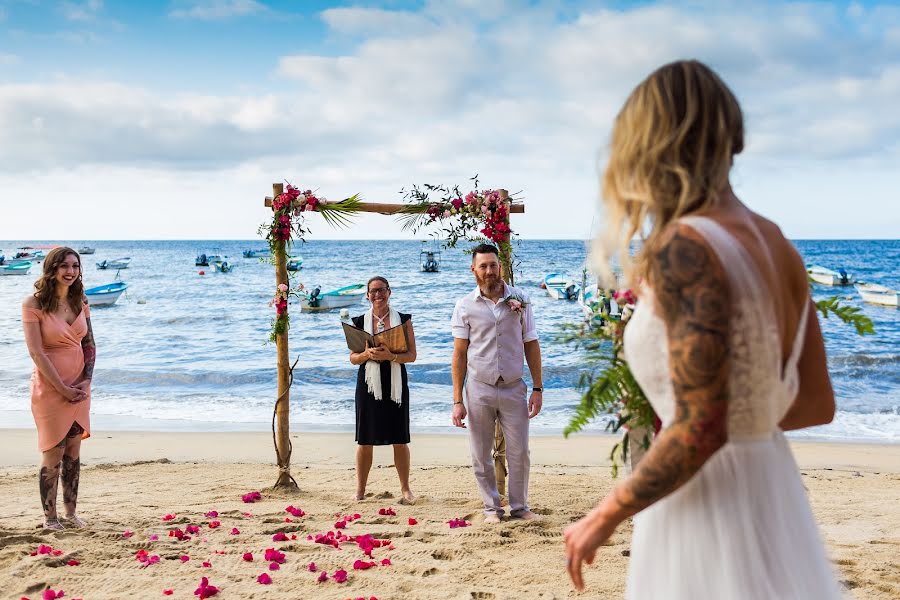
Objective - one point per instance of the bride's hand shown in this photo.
(582, 539)
(380, 353)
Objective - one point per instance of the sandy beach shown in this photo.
(131, 480)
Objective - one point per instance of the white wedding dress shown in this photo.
(742, 527)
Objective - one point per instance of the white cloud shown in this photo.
(82, 11)
(219, 9)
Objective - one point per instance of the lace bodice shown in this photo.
(759, 393)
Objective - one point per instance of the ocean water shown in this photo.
(181, 351)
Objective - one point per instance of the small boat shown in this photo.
(215, 258)
(19, 268)
(826, 276)
(294, 263)
(339, 298)
(86, 250)
(258, 253)
(105, 295)
(878, 294)
(222, 266)
(560, 288)
(28, 254)
(201, 260)
(115, 263)
(429, 259)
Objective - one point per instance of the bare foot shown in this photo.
(491, 519)
(407, 498)
(526, 515)
(359, 496)
(53, 525)
(75, 522)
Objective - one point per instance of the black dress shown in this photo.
(381, 422)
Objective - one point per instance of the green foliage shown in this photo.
(851, 315)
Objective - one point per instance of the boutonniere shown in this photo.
(516, 303)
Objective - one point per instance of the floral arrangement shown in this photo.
(287, 225)
(516, 303)
(476, 216)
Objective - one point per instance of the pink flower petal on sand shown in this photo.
(279, 537)
(235, 531)
(247, 515)
(207, 564)
(264, 579)
(385, 562)
(168, 517)
(387, 512)
(274, 566)
(356, 516)
(412, 521)
(251, 497)
(72, 562)
(205, 590)
(49, 594)
(185, 558)
(323, 576)
(56, 552)
(168, 592)
(312, 568)
(288, 520)
(248, 556)
(214, 524)
(153, 538)
(212, 514)
(297, 512)
(340, 525)
(192, 529)
(340, 576)
(274, 555)
(293, 536)
(127, 533)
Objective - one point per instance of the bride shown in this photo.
(727, 347)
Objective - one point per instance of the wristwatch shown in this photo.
(538, 389)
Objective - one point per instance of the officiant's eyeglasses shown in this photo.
(378, 290)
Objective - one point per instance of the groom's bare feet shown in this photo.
(491, 519)
(359, 496)
(407, 498)
(525, 515)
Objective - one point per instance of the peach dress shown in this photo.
(53, 414)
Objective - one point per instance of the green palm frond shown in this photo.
(413, 216)
(852, 315)
(340, 214)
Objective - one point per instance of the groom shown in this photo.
(493, 331)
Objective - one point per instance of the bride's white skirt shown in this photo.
(741, 528)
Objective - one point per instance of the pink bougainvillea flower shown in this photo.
(323, 576)
(192, 529)
(235, 531)
(184, 558)
(72, 562)
(356, 516)
(386, 562)
(454, 523)
(247, 515)
(207, 564)
(279, 537)
(387, 512)
(248, 556)
(274, 555)
(288, 520)
(205, 590)
(214, 524)
(340, 525)
(44, 549)
(293, 536)
(274, 566)
(264, 579)
(362, 565)
(340, 576)
(49, 594)
(168, 592)
(56, 553)
(251, 497)
(312, 568)
(297, 512)
(168, 517)
(127, 533)
(412, 521)
(153, 538)
(212, 514)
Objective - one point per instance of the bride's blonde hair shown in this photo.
(670, 153)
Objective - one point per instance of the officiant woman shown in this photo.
(382, 392)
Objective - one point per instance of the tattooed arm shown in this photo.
(90, 355)
(692, 297)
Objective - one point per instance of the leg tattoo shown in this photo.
(48, 482)
(71, 473)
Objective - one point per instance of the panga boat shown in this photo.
(22, 268)
(86, 250)
(258, 253)
(339, 298)
(826, 276)
(560, 288)
(878, 294)
(115, 263)
(294, 263)
(429, 259)
(222, 266)
(105, 295)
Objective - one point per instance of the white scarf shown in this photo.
(373, 368)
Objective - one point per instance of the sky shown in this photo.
(172, 119)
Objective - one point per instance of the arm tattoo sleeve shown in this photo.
(693, 299)
(90, 351)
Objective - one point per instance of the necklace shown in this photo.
(380, 320)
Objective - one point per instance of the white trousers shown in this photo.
(484, 404)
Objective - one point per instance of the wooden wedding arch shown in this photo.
(281, 416)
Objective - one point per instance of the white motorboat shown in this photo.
(560, 288)
(349, 295)
(294, 263)
(20, 268)
(878, 294)
(826, 276)
(115, 263)
(429, 258)
(105, 295)
(86, 250)
(222, 266)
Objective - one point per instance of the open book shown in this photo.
(394, 339)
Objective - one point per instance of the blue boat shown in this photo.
(20, 268)
(105, 295)
(294, 263)
(258, 253)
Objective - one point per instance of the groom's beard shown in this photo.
(489, 284)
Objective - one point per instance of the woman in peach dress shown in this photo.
(57, 323)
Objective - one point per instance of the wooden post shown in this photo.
(506, 272)
(283, 404)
